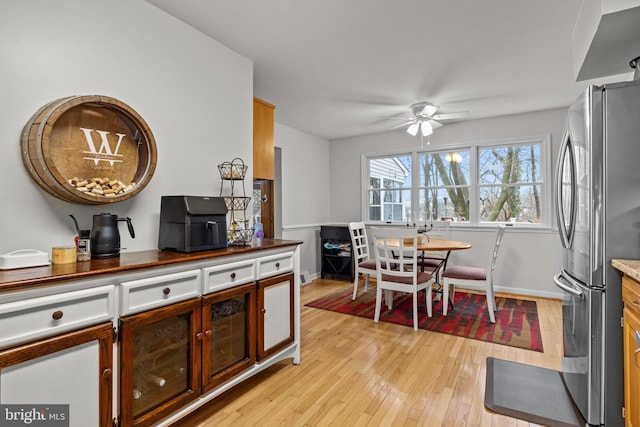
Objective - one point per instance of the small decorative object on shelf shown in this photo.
(240, 232)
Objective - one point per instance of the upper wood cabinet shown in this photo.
(263, 163)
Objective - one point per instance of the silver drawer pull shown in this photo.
(57, 315)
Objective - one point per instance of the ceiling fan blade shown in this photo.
(435, 124)
(403, 124)
(451, 116)
(398, 118)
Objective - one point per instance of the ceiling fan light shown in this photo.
(426, 128)
(413, 129)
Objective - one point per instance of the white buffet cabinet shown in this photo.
(147, 346)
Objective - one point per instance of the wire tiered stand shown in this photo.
(239, 230)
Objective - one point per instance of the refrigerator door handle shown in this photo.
(558, 279)
(566, 234)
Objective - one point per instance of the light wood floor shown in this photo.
(355, 372)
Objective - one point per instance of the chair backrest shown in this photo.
(496, 247)
(388, 242)
(359, 241)
(440, 230)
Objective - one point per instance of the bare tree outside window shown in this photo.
(444, 182)
(507, 184)
(510, 183)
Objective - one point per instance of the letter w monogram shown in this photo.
(104, 153)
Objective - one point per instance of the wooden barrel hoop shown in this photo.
(89, 150)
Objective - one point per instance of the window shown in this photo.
(444, 185)
(498, 182)
(391, 201)
(510, 184)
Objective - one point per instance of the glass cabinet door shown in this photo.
(159, 362)
(229, 344)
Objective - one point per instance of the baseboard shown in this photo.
(528, 292)
(506, 289)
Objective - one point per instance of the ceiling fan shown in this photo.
(425, 118)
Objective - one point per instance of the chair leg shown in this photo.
(366, 282)
(415, 311)
(355, 285)
(491, 304)
(445, 296)
(376, 317)
(429, 295)
(388, 298)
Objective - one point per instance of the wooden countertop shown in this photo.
(127, 261)
(629, 267)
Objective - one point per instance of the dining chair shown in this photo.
(363, 263)
(435, 260)
(399, 273)
(474, 277)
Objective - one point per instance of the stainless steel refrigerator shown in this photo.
(598, 211)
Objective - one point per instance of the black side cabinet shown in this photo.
(337, 254)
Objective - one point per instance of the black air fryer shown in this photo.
(192, 223)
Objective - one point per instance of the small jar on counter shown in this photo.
(84, 246)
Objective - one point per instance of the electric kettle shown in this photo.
(105, 236)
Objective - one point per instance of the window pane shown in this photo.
(396, 206)
(440, 203)
(518, 203)
(389, 188)
(516, 164)
(444, 169)
(374, 213)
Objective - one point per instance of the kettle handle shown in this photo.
(132, 233)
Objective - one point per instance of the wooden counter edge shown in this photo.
(127, 261)
(629, 267)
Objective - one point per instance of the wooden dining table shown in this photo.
(426, 243)
(434, 244)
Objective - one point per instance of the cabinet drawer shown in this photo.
(228, 275)
(275, 264)
(32, 319)
(631, 294)
(152, 292)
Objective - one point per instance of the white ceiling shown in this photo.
(334, 68)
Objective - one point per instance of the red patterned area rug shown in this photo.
(516, 319)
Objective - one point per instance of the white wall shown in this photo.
(305, 188)
(195, 94)
(529, 258)
(197, 97)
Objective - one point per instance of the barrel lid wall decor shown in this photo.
(89, 150)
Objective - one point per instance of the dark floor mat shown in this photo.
(529, 393)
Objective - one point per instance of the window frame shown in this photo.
(474, 186)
